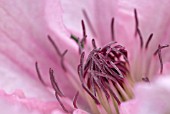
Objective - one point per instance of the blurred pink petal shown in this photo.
(99, 13)
(79, 111)
(150, 98)
(16, 103)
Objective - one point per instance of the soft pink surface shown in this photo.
(150, 98)
(24, 26)
(16, 103)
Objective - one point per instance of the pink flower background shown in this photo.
(25, 25)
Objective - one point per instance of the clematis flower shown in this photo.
(120, 46)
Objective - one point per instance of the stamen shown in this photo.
(54, 83)
(112, 29)
(148, 41)
(89, 92)
(94, 44)
(61, 104)
(62, 60)
(100, 83)
(81, 42)
(140, 37)
(159, 48)
(80, 45)
(136, 21)
(38, 73)
(84, 32)
(82, 58)
(158, 51)
(161, 62)
(103, 75)
(89, 22)
(57, 90)
(59, 53)
(103, 65)
(80, 67)
(91, 83)
(110, 90)
(75, 100)
(80, 72)
(137, 28)
(54, 45)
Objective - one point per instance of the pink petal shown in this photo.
(100, 14)
(166, 67)
(104, 11)
(16, 103)
(79, 111)
(72, 14)
(150, 98)
(23, 30)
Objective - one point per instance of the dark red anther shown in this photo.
(140, 37)
(58, 52)
(54, 45)
(62, 60)
(112, 29)
(137, 30)
(158, 51)
(60, 102)
(38, 73)
(94, 44)
(84, 32)
(75, 100)
(148, 41)
(57, 90)
(87, 19)
(54, 83)
(160, 48)
(136, 21)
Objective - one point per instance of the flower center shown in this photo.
(105, 75)
(103, 72)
